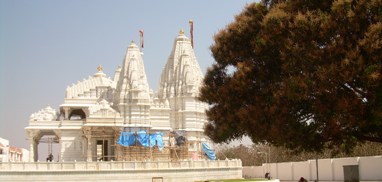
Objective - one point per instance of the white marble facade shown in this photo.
(97, 109)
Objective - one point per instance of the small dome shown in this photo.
(182, 37)
(100, 72)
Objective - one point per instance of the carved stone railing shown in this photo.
(117, 165)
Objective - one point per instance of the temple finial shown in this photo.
(181, 32)
(99, 68)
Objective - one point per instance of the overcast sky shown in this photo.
(47, 45)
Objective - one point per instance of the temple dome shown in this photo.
(87, 87)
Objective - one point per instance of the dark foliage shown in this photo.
(301, 74)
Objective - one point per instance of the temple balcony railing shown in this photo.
(118, 165)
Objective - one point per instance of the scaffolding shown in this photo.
(172, 150)
(137, 152)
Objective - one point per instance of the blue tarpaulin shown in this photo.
(208, 151)
(126, 139)
(129, 139)
(143, 138)
(156, 138)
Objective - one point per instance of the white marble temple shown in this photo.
(98, 108)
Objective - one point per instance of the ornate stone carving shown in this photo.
(46, 114)
(102, 109)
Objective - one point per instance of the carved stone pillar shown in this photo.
(58, 137)
(33, 137)
(89, 148)
(31, 150)
(35, 148)
(66, 112)
(86, 111)
(89, 152)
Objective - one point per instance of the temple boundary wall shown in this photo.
(369, 169)
(161, 171)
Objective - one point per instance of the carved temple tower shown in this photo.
(131, 96)
(180, 83)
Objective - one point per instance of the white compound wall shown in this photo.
(370, 169)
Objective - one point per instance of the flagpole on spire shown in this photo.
(191, 32)
(141, 39)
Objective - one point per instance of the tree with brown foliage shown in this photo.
(301, 74)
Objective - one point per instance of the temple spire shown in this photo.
(180, 82)
(182, 70)
(132, 89)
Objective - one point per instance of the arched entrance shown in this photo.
(46, 137)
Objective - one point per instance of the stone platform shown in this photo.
(149, 171)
